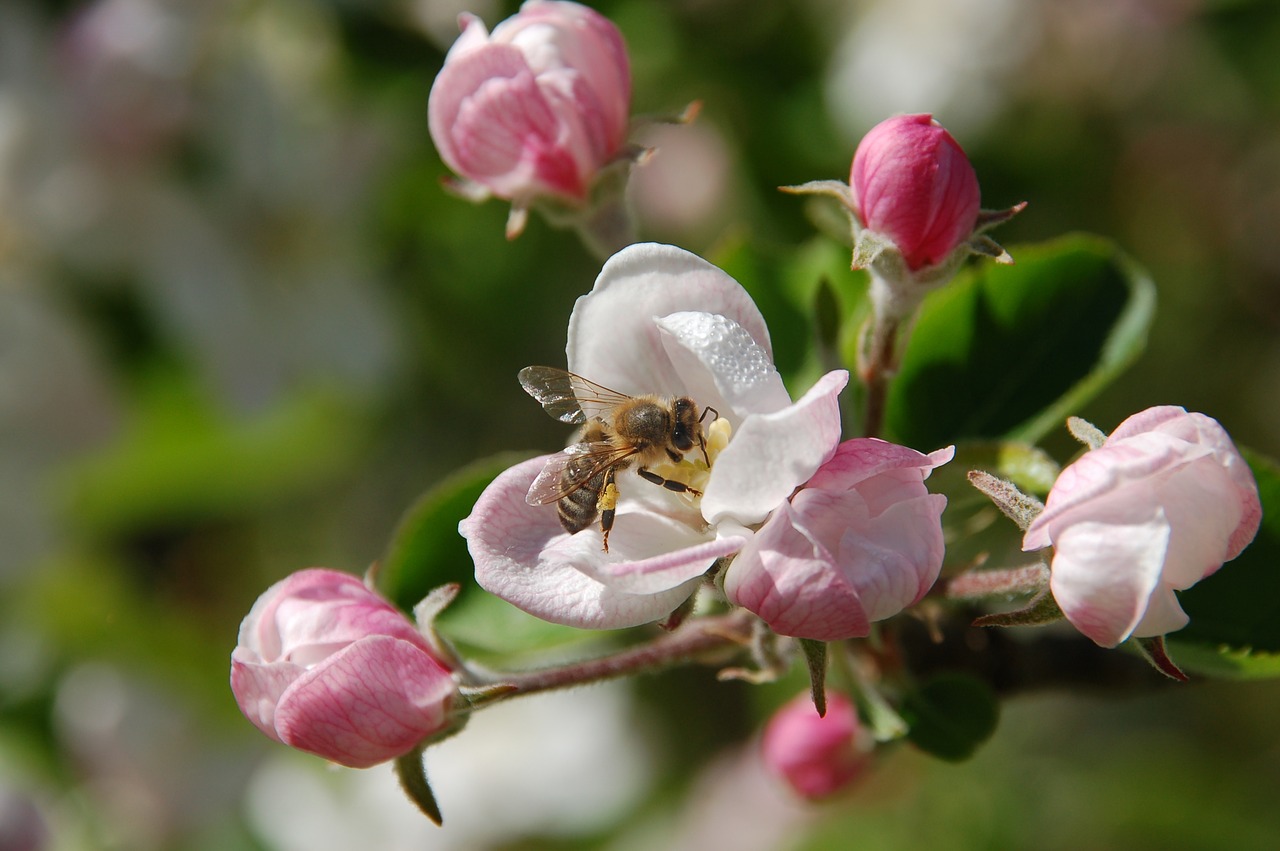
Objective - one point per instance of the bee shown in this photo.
(619, 432)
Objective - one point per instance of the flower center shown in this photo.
(693, 470)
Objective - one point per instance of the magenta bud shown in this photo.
(817, 756)
(913, 184)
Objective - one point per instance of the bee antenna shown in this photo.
(709, 410)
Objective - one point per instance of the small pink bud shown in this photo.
(538, 107)
(1160, 505)
(817, 756)
(327, 666)
(913, 184)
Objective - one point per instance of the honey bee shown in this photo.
(619, 432)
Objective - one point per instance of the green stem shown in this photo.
(608, 227)
(875, 370)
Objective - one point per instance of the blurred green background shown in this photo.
(242, 328)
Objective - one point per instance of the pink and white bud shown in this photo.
(1160, 505)
(913, 184)
(325, 665)
(817, 756)
(538, 106)
(858, 543)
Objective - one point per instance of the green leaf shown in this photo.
(950, 716)
(426, 549)
(1011, 351)
(1236, 611)
(1223, 661)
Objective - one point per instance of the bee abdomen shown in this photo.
(577, 510)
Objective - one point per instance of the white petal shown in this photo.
(722, 365)
(649, 553)
(613, 336)
(1200, 502)
(1104, 573)
(1164, 614)
(773, 454)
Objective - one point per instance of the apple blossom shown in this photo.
(325, 665)
(913, 185)
(1160, 505)
(660, 319)
(538, 106)
(858, 543)
(817, 755)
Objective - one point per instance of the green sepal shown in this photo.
(815, 656)
(412, 774)
(1155, 652)
(1016, 505)
(1042, 610)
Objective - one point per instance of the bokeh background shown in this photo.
(242, 329)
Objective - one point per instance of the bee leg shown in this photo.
(607, 504)
(670, 484)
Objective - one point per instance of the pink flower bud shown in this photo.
(539, 106)
(327, 666)
(913, 184)
(858, 543)
(1159, 506)
(817, 756)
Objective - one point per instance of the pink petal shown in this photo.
(614, 339)
(1203, 511)
(457, 82)
(1152, 419)
(369, 703)
(890, 556)
(771, 455)
(257, 687)
(1112, 469)
(861, 458)
(792, 583)
(576, 37)
(493, 124)
(1104, 574)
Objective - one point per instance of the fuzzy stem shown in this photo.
(686, 644)
(1000, 582)
(608, 227)
(876, 370)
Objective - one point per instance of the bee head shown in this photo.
(688, 428)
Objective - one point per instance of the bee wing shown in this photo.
(569, 470)
(568, 397)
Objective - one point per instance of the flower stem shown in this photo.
(690, 643)
(607, 228)
(878, 362)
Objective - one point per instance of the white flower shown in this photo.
(660, 320)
